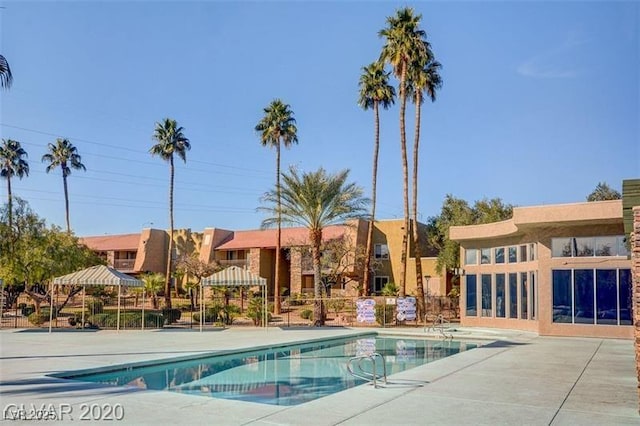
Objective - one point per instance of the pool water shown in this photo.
(283, 375)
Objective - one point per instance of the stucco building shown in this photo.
(557, 270)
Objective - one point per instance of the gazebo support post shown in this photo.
(201, 307)
(1, 301)
(143, 291)
(50, 305)
(84, 292)
(118, 320)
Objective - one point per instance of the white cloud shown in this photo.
(551, 63)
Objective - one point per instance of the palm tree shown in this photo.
(152, 286)
(276, 127)
(64, 155)
(404, 43)
(5, 73)
(171, 141)
(314, 200)
(375, 90)
(424, 77)
(12, 163)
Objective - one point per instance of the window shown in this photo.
(500, 296)
(622, 246)
(485, 256)
(576, 291)
(532, 252)
(487, 302)
(513, 254)
(523, 253)
(472, 296)
(584, 247)
(498, 255)
(379, 283)
(523, 295)
(513, 295)
(471, 257)
(533, 296)
(606, 246)
(562, 298)
(381, 251)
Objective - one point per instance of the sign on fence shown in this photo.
(406, 308)
(365, 310)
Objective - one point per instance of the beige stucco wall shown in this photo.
(152, 251)
(543, 266)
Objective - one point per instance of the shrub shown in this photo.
(95, 306)
(229, 313)
(171, 315)
(306, 314)
(27, 309)
(384, 314)
(255, 310)
(211, 314)
(38, 319)
(297, 299)
(127, 319)
(336, 305)
(390, 289)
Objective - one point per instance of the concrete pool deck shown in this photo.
(514, 378)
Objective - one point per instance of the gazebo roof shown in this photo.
(234, 276)
(98, 275)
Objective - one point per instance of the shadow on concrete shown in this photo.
(49, 385)
(503, 344)
(103, 354)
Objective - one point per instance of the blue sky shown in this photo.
(540, 102)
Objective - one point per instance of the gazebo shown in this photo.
(235, 276)
(97, 275)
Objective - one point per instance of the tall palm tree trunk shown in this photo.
(416, 233)
(405, 180)
(66, 201)
(276, 284)
(10, 206)
(167, 285)
(376, 148)
(318, 312)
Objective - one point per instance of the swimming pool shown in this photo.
(282, 375)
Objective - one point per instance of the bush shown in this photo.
(255, 310)
(306, 314)
(38, 319)
(127, 319)
(297, 299)
(95, 306)
(171, 315)
(229, 313)
(336, 305)
(390, 289)
(211, 314)
(27, 309)
(385, 312)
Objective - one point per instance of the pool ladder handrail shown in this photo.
(438, 324)
(365, 375)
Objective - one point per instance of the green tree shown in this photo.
(375, 91)
(40, 253)
(12, 163)
(192, 266)
(171, 141)
(404, 44)
(423, 78)
(6, 78)
(314, 200)
(277, 127)
(64, 155)
(153, 284)
(457, 212)
(603, 192)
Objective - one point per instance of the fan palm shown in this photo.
(12, 163)
(152, 286)
(424, 78)
(404, 42)
(314, 200)
(5, 73)
(64, 155)
(171, 140)
(277, 127)
(375, 91)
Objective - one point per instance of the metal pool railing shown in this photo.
(372, 377)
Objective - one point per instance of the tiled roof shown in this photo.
(267, 238)
(112, 242)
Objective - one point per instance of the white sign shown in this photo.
(406, 310)
(365, 311)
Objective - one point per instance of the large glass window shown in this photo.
(470, 257)
(534, 310)
(523, 253)
(625, 296)
(622, 246)
(606, 246)
(524, 287)
(379, 283)
(487, 305)
(584, 246)
(500, 296)
(532, 252)
(498, 255)
(513, 295)
(485, 256)
(561, 247)
(513, 254)
(472, 296)
(583, 296)
(562, 299)
(606, 296)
